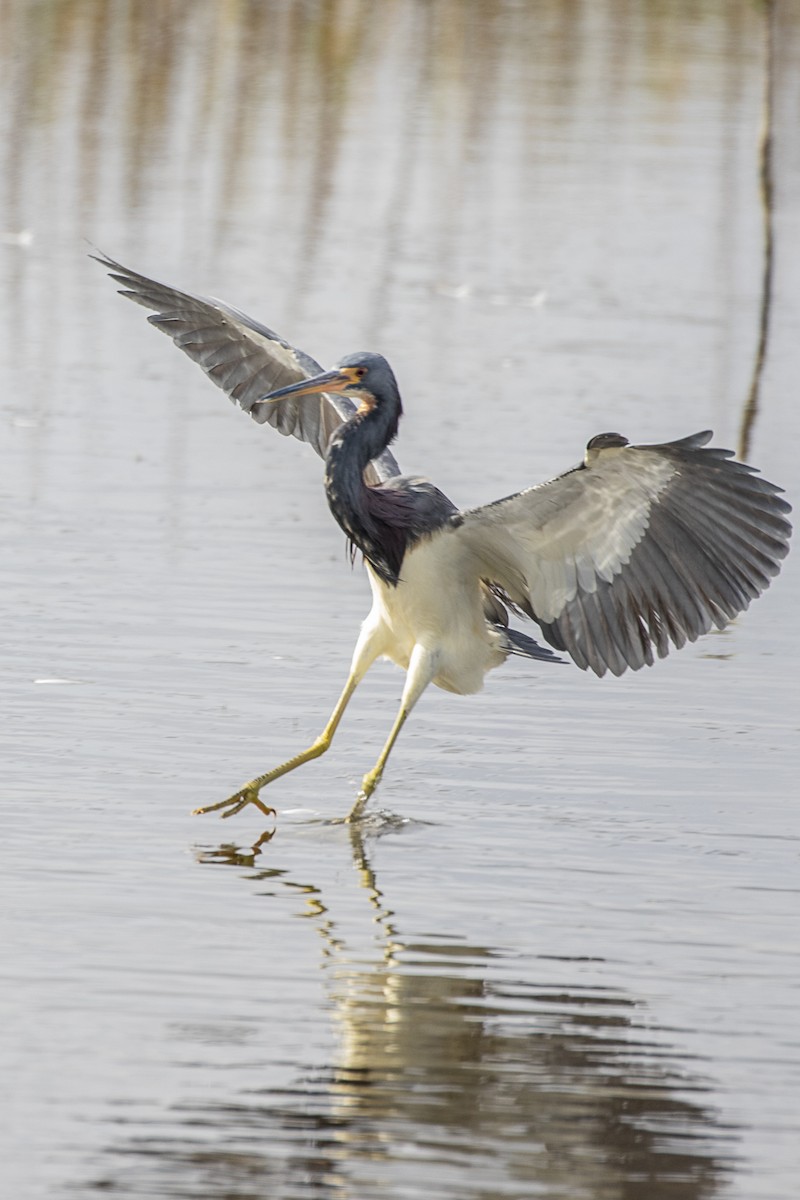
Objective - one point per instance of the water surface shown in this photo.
(569, 965)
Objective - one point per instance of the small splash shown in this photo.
(510, 298)
(56, 680)
(376, 823)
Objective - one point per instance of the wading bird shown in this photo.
(635, 549)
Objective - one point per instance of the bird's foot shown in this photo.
(235, 803)
(368, 785)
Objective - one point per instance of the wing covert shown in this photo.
(637, 548)
(246, 360)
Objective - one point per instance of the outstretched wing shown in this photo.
(246, 359)
(638, 547)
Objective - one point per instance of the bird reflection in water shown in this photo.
(457, 1074)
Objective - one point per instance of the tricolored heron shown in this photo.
(635, 549)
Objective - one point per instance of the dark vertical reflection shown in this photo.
(237, 123)
(766, 192)
(327, 73)
(456, 1072)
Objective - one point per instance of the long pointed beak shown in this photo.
(328, 381)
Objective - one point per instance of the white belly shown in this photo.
(436, 605)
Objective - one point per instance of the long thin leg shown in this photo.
(421, 670)
(367, 650)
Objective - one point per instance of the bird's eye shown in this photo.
(360, 372)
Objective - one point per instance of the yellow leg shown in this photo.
(421, 670)
(373, 777)
(249, 793)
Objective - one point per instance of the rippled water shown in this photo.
(562, 959)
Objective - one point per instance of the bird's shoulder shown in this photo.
(412, 502)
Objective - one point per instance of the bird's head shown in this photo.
(366, 377)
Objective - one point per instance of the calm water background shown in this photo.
(573, 968)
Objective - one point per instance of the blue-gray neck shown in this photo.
(352, 447)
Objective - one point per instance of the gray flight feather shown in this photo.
(247, 360)
(639, 547)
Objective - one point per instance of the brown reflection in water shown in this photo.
(767, 192)
(238, 122)
(149, 106)
(453, 1074)
(305, 67)
(252, 122)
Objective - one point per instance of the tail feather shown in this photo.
(526, 647)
